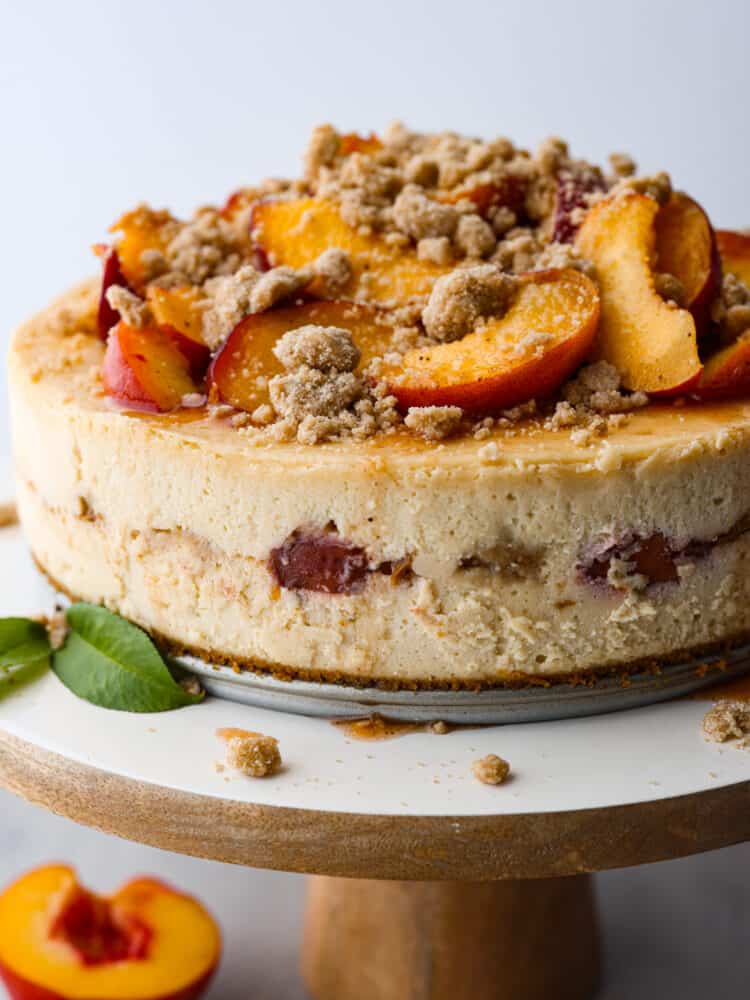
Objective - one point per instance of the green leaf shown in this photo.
(22, 642)
(114, 664)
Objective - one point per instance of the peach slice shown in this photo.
(734, 250)
(146, 942)
(686, 247)
(527, 353)
(351, 142)
(106, 316)
(179, 308)
(571, 199)
(241, 369)
(139, 230)
(296, 232)
(145, 369)
(726, 374)
(651, 343)
(510, 192)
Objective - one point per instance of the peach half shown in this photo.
(146, 942)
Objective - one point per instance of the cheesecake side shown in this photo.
(462, 564)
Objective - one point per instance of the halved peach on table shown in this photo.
(146, 369)
(526, 354)
(294, 233)
(734, 250)
(686, 247)
(652, 343)
(240, 370)
(146, 942)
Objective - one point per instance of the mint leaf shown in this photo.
(22, 642)
(114, 664)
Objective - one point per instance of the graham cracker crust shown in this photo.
(507, 681)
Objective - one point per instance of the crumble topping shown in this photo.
(254, 755)
(491, 770)
(434, 422)
(460, 299)
(727, 720)
(482, 212)
(731, 310)
(132, 309)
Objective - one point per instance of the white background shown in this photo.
(103, 104)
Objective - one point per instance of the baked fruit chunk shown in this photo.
(686, 248)
(734, 250)
(240, 372)
(146, 369)
(652, 343)
(543, 337)
(295, 233)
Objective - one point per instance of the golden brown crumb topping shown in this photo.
(254, 755)
(491, 770)
(436, 234)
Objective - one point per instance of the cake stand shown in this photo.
(427, 884)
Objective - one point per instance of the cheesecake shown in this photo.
(439, 413)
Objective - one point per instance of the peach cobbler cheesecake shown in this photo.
(440, 412)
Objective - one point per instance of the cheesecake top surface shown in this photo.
(58, 354)
(424, 295)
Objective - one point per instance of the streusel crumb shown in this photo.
(460, 299)
(727, 720)
(323, 347)
(491, 770)
(434, 422)
(254, 755)
(132, 309)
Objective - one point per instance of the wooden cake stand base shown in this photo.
(428, 885)
(535, 940)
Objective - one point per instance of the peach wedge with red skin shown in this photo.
(726, 374)
(145, 369)
(686, 247)
(652, 344)
(241, 369)
(295, 233)
(734, 250)
(146, 942)
(506, 361)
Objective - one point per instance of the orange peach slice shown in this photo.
(526, 354)
(139, 230)
(106, 316)
(146, 942)
(179, 308)
(241, 369)
(734, 250)
(651, 343)
(296, 232)
(686, 248)
(726, 374)
(510, 192)
(351, 142)
(145, 369)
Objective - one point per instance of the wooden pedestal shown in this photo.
(512, 940)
